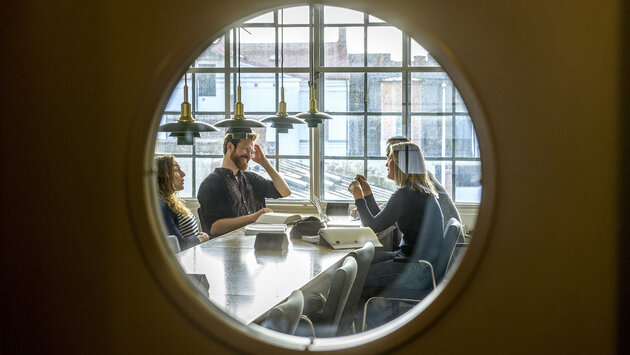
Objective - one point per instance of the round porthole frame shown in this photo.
(218, 325)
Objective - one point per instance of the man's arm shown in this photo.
(278, 181)
(224, 225)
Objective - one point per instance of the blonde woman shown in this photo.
(412, 207)
(179, 221)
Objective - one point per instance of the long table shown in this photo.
(247, 283)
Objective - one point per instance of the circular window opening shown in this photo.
(376, 83)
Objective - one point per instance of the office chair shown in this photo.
(452, 233)
(326, 321)
(284, 317)
(364, 258)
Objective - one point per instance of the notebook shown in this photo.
(345, 238)
(335, 221)
(278, 218)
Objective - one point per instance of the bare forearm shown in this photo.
(278, 181)
(224, 225)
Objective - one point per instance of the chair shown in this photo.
(284, 317)
(452, 233)
(326, 321)
(364, 258)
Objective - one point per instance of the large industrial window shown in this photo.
(375, 81)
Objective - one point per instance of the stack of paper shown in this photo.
(265, 228)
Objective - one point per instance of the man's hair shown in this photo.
(229, 138)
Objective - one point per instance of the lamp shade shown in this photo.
(313, 117)
(282, 121)
(239, 126)
(186, 129)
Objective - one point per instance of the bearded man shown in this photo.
(231, 197)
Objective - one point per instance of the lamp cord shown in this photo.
(282, 46)
(239, 56)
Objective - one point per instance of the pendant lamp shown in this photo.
(186, 129)
(282, 121)
(312, 116)
(238, 126)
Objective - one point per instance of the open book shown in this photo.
(265, 228)
(278, 218)
(350, 237)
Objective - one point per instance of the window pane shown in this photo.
(210, 91)
(296, 40)
(466, 144)
(168, 145)
(460, 106)
(420, 57)
(296, 92)
(431, 92)
(434, 135)
(258, 47)
(374, 19)
(382, 187)
(295, 142)
(258, 93)
(343, 92)
(443, 172)
(468, 181)
(186, 165)
(210, 143)
(343, 136)
(266, 137)
(343, 46)
(333, 15)
(213, 56)
(203, 168)
(380, 129)
(384, 47)
(338, 175)
(296, 15)
(177, 97)
(264, 18)
(384, 92)
(296, 173)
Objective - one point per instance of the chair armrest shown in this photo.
(430, 268)
(307, 320)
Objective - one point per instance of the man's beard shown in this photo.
(241, 162)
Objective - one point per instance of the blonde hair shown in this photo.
(166, 177)
(416, 182)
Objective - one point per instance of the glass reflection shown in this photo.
(388, 96)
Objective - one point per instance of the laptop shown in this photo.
(337, 220)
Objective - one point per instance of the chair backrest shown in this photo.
(284, 317)
(364, 258)
(430, 237)
(173, 243)
(452, 233)
(340, 286)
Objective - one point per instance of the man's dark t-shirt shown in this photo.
(223, 195)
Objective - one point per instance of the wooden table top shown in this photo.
(247, 283)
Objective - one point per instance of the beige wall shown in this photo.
(76, 79)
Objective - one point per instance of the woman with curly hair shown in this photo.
(179, 221)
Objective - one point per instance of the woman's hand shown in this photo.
(355, 189)
(367, 190)
(203, 237)
(258, 156)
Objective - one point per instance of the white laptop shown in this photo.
(335, 221)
